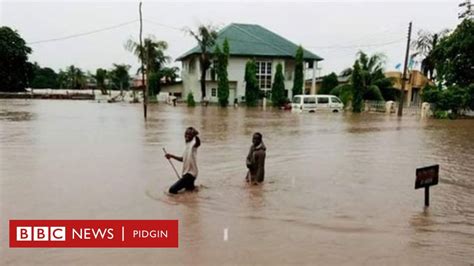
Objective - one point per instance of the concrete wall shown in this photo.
(173, 88)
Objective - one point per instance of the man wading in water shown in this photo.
(190, 170)
(256, 160)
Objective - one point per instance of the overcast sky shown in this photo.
(332, 30)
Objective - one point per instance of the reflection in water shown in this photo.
(15, 116)
(338, 187)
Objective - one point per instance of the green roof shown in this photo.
(254, 40)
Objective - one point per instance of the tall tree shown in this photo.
(169, 74)
(75, 78)
(120, 77)
(222, 77)
(100, 76)
(152, 52)
(278, 87)
(251, 84)
(424, 45)
(367, 79)
(206, 36)
(357, 88)
(14, 66)
(62, 79)
(298, 77)
(454, 56)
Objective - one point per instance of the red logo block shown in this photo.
(93, 233)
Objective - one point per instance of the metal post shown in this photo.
(145, 91)
(427, 196)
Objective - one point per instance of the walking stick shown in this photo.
(174, 168)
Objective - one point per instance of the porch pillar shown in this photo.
(313, 80)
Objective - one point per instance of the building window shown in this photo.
(213, 92)
(264, 75)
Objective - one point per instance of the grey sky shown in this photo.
(333, 30)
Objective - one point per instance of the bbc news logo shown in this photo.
(93, 233)
(40, 233)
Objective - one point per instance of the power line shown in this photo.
(84, 33)
(163, 25)
(355, 46)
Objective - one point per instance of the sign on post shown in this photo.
(426, 177)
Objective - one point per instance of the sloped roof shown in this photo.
(254, 40)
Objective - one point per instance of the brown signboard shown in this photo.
(427, 176)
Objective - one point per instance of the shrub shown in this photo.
(190, 100)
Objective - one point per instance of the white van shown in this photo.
(320, 102)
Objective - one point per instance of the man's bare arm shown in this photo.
(177, 158)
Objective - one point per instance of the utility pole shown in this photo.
(404, 75)
(144, 86)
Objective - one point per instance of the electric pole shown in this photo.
(144, 86)
(404, 75)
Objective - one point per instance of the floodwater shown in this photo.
(339, 188)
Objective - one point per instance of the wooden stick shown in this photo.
(174, 168)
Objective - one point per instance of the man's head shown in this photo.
(257, 138)
(190, 133)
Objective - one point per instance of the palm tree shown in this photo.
(169, 74)
(100, 76)
(152, 53)
(62, 79)
(424, 44)
(75, 78)
(366, 80)
(206, 37)
(120, 77)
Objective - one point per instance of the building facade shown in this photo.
(246, 42)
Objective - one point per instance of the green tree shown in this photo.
(206, 36)
(329, 82)
(44, 77)
(14, 66)
(75, 78)
(222, 76)
(357, 88)
(100, 76)
(424, 45)
(152, 53)
(278, 87)
(454, 56)
(169, 74)
(251, 84)
(298, 77)
(190, 100)
(120, 77)
(62, 79)
(368, 81)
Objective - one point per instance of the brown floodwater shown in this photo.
(339, 188)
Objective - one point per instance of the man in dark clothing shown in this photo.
(256, 160)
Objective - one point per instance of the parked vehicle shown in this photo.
(319, 102)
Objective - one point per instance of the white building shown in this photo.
(246, 42)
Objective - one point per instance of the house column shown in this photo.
(304, 78)
(313, 80)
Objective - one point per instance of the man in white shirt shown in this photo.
(190, 170)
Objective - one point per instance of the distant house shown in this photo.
(416, 82)
(246, 42)
(414, 86)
